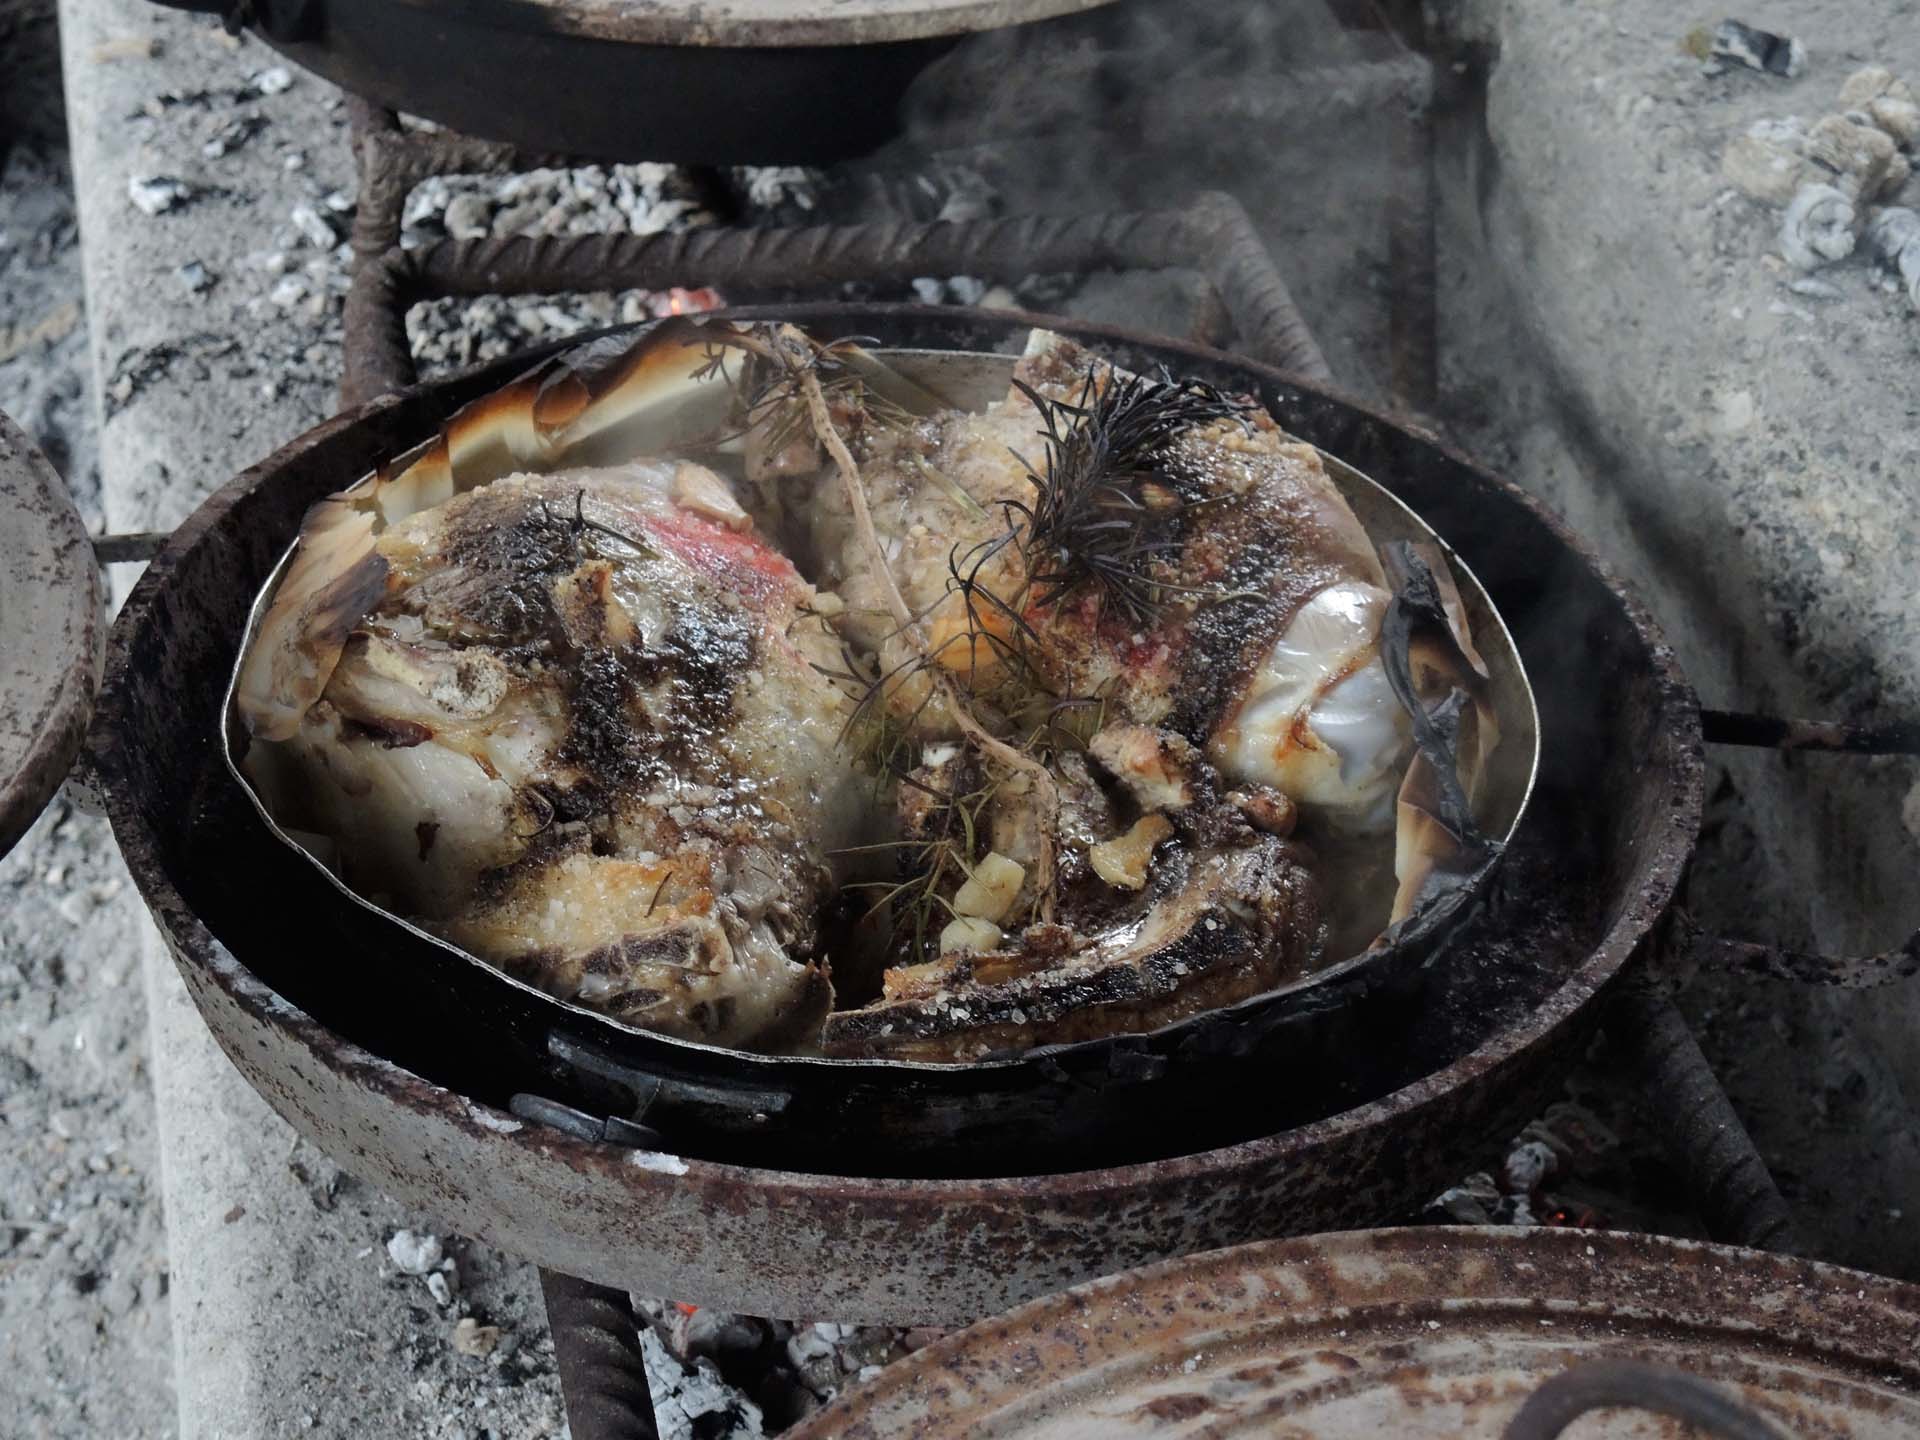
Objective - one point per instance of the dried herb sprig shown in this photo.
(1103, 511)
(577, 526)
(771, 397)
(929, 866)
(792, 353)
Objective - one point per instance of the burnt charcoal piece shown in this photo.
(1781, 55)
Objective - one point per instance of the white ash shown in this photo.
(195, 276)
(157, 194)
(272, 81)
(1817, 227)
(694, 1400)
(314, 228)
(414, 1252)
(1893, 235)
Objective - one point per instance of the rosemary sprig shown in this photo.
(1104, 510)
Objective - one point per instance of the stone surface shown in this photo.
(84, 1341)
(288, 1316)
(1745, 453)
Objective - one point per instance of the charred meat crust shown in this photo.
(1249, 922)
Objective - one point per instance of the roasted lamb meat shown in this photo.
(1102, 712)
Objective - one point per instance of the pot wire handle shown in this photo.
(1754, 957)
(1633, 1384)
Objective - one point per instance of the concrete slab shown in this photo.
(289, 1316)
(1746, 453)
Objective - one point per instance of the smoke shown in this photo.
(1145, 104)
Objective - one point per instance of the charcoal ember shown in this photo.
(1894, 237)
(1758, 49)
(1767, 160)
(1579, 1139)
(813, 1351)
(231, 135)
(868, 1349)
(1818, 227)
(1860, 160)
(1528, 1167)
(719, 1335)
(1474, 1201)
(157, 194)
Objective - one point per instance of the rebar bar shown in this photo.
(1212, 234)
(596, 1349)
(1729, 1184)
(1776, 732)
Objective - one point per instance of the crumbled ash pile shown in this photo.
(1839, 184)
(651, 199)
(43, 335)
(722, 1376)
(478, 1348)
(641, 199)
(1591, 1160)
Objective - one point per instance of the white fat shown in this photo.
(696, 488)
(1345, 761)
(372, 799)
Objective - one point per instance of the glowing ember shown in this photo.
(679, 301)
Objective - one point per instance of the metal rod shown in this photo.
(136, 547)
(1631, 1384)
(1213, 233)
(1729, 1183)
(1773, 732)
(596, 1349)
(1843, 972)
(391, 162)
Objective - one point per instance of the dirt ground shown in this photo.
(84, 1341)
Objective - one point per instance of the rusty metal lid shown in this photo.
(51, 633)
(1410, 1333)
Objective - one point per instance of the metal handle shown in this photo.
(132, 548)
(1607, 1384)
(1753, 957)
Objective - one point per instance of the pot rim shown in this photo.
(1677, 713)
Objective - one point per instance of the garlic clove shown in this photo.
(989, 892)
(1122, 862)
(970, 933)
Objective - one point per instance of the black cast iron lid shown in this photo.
(52, 640)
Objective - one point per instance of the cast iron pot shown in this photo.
(410, 1090)
(726, 82)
